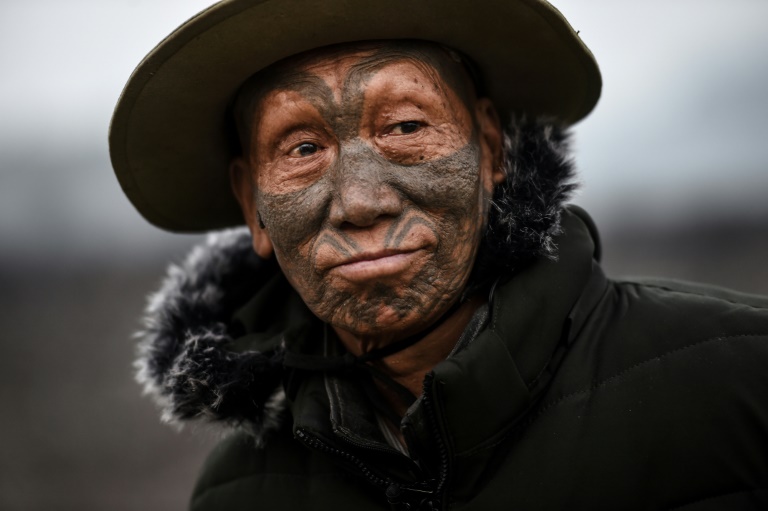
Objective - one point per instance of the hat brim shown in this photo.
(169, 139)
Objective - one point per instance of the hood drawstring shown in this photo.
(349, 362)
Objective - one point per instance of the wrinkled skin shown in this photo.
(371, 168)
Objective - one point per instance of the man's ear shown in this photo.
(491, 138)
(243, 186)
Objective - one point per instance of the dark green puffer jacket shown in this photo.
(572, 392)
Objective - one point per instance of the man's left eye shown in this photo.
(405, 128)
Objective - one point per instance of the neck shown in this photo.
(409, 366)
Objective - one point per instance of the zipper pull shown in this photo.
(404, 498)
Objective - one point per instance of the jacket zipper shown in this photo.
(398, 495)
(442, 448)
(426, 495)
(419, 496)
(315, 443)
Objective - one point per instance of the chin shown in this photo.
(383, 321)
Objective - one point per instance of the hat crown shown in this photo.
(169, 137)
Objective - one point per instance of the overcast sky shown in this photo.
(680, 126)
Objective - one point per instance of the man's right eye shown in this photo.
(305, 149)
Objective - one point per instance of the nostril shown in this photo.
(362, 211)
(353, 226)
(363, 206)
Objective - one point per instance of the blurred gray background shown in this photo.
(673, 164)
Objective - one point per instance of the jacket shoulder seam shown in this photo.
(719, 496)
(605, 381)
(691, 293)
(618, 375)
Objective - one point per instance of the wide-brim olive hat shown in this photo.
(169, 139)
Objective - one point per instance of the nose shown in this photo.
(363, 195)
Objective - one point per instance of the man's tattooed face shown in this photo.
(372, 183)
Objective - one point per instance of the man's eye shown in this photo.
(404, 128)
(305, 149)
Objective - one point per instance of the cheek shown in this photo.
(292, 219)
(448, 185)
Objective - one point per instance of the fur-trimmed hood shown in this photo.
(185, 358)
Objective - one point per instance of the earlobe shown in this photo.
(492, 137)
(244, 189)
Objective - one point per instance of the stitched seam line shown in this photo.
(692, 293)
(602, 383)
(751, 490)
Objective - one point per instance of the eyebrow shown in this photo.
(452, 71)
(320, 95)
(309, 86)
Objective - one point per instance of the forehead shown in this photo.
(368, 57)
(340, 65)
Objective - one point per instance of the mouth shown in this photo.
(373, 265)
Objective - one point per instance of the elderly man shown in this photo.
(413, 319)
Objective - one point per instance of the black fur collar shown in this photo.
(184, 361)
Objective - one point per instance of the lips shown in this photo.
(372, 256)
(375, 265)
(382, 250)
